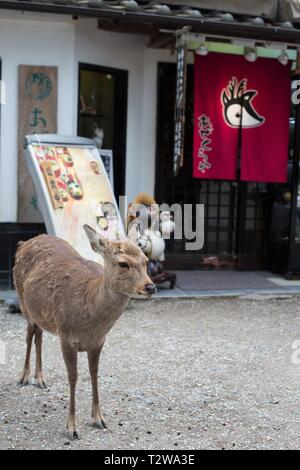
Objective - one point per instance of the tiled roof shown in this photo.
(173, 13)
(179, 8)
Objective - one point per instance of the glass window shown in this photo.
(97, 105)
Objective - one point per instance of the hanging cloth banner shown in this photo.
(265, 145)
(179, 111)
(241, 110)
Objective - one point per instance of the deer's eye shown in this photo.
(123, 264)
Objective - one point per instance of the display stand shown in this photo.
(73, 189)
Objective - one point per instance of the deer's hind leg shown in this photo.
(38, 350)
(70, 358)
(93, 358)
(25, 378)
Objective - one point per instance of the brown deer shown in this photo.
(78, 300)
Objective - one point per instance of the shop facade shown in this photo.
(44, 39)
(131, 55)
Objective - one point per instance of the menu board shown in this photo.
(107, 158)
(73, 189)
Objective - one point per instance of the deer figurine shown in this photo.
(78, 300)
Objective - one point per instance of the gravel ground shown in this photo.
(180, 374)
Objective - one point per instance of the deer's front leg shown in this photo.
(25, 379)
(38, 368)
(70, 358)
(93, 357)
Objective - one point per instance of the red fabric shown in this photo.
(241, 107)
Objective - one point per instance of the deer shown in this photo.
(238, 109)
(78, 300)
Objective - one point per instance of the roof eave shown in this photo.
(266, 33)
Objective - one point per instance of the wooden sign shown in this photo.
(37, 114)
(180, 107)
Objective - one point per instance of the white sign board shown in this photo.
(73, 189)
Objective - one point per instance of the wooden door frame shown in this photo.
(120, 117)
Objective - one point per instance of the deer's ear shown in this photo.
(249, 95)
(225, 97)
(99, 244)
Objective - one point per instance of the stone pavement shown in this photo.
(214, 373)
(193, 284)
(202, 284)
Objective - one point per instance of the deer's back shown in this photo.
(52, 280)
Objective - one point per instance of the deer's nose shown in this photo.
(150, 289)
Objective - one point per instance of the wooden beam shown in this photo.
(118, 26)
(161, 41)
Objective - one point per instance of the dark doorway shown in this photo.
(237, 214)
(102, 104)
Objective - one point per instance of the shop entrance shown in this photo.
(237, 214)
(102, 113)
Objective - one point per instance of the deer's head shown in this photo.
(125, 265)
(238, 108)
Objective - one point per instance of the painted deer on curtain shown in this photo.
(238, 107)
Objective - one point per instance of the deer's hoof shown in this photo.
(41, 384)
(24, 382)
(100, 424)
(73, 435)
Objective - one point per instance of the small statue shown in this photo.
(152, 244)
(98, 137)
(148, 229)
(167, 225)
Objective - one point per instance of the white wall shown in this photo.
(125, 52)
(129, 52)
(54, 40)
(30, 42)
